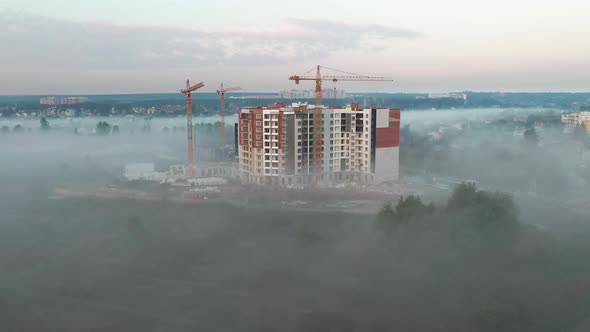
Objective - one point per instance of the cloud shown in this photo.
(43, 41)
(339, 31)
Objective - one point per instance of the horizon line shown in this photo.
(266, 92)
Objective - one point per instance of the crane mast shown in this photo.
(317, 123)
(189, 124)
(221, 92)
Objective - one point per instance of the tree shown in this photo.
(103, 128)
(412, 208)
(530, 137)
(407, 210)
(115, 130)
(44, 124)
(18, 128)
(493, 211)
(463, 195)
(5, 129)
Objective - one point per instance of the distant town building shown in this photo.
(447, 95)
(310, 94)
(576, 118)
(52, 101)
(573, 119)
(276, 145)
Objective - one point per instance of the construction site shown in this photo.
(293, 151)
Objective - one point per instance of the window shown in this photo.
(258, 116)
(258, 136)
(259, 123)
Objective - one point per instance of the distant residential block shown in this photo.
(52, 101)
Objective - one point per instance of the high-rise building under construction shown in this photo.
(276, 145)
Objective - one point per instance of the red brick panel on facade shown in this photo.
(385, 137)
(394, 121)
(389, 137)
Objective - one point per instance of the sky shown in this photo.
(96, 47)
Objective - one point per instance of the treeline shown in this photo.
(474, 266)
(480, 214)
(208, 105)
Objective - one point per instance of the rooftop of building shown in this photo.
(305, 106)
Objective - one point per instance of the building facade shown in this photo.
(276, 145)
(573, 119)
